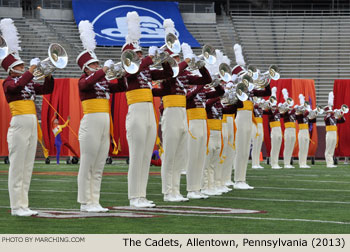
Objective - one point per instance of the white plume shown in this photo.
(10, 34)
(285, 94)
(134, 32)
(87, 35)
(239, 56)
(169, 26)
(274, 91)
(301, 99)
(330, 98)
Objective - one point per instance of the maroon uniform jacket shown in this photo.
(198, 96)
(273, 115)
(178, 85)
(24, 88)
(303, 118)
(289, 116)
(95, 85)
(330, 119)
(258, 112)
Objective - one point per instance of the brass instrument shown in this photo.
(253, 72)
(208, 55)
(130, 61)
(265, 78)
(58, 58)
(3, 48)
(273, 100)
(162, 57)
(225, 72)
(315, 112)
(235, 94)
(283, 107)
(172, 43)
(242, 92)
(115, 72)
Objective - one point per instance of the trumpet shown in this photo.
(208, 55)
(58, 58)
(283, 107)
(315, 112)
(338, 113)
(130, 61)
(115, 72)
(3, 48)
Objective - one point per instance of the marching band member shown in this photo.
(244, 126)
(196, 113)
(94, 130)
(141, 124)
(302, 113)
(22, 136)
(174, 123)
(257, 134)
(331, 121)
(289, 119)
(276, 132)
(60, 140)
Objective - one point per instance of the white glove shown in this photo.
(109, 63)
(229, 85)
(152, 50)
(34, 61)
(234, 77)
(187, 51)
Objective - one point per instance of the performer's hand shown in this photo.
(152, 51)
(109, 63)
(34, 62)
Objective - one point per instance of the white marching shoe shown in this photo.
(276, 167)
(304, 166)
(196, 195)
(211, 192)
(23, 212)
(331, 166)
(180, 198)
(170, 198)
(93, 208)
(255, 167)
(261, 167)
(229, 183)
(141, 203)
(242, 186)
(100, 209)
(289, 166)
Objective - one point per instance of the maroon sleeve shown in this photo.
(87, 83)
(341, 120)
(166, 73)
(13, 86)
(182, 66)
(210, 102)
(196, 80)
(219, 90)
(146, 62)
(117, 87)
(193, 92)
(239, 104)
(265, 92)
(46, 88)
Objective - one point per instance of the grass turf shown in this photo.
(296, 200)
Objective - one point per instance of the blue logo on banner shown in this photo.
(110, 23)
(151, 24)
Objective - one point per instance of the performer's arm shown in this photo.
(219, 90)
(66, 123)
(166, 73)
(47, 87)
(211, 102)
(118, 87)
(88, 82)
(265, 92)
(341, 120)
(13, 86)
(182, 66)
(193, 93)
(161, 91)
(196, 80)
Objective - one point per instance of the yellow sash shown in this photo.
(214, 124)
(289, 125)
(139, 95)
(259, 119)
(174, 101)
(303, 126)
(331, 128)
(224, 117)
(25, 107)
(247, 105)
(101, 106)
(196, 113)
(275, 124)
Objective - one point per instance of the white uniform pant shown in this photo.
(141, 132)
(223, 165)
(257, 143)
(304, 141)
(212, 169)
(196, 154)
(94, 140)
(276, 140)
(243, 135)
(22, 137)
(175, 138)
(331, 142)
(231, 153)
(289, 142)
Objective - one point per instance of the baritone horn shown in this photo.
(58, 58)
(253, 72)
(338, 113)
(130, 61)
(172, 43)
(242, 91)
(116, 71)
(3, 48)
(225, 72)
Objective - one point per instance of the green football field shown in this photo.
(315, 200)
